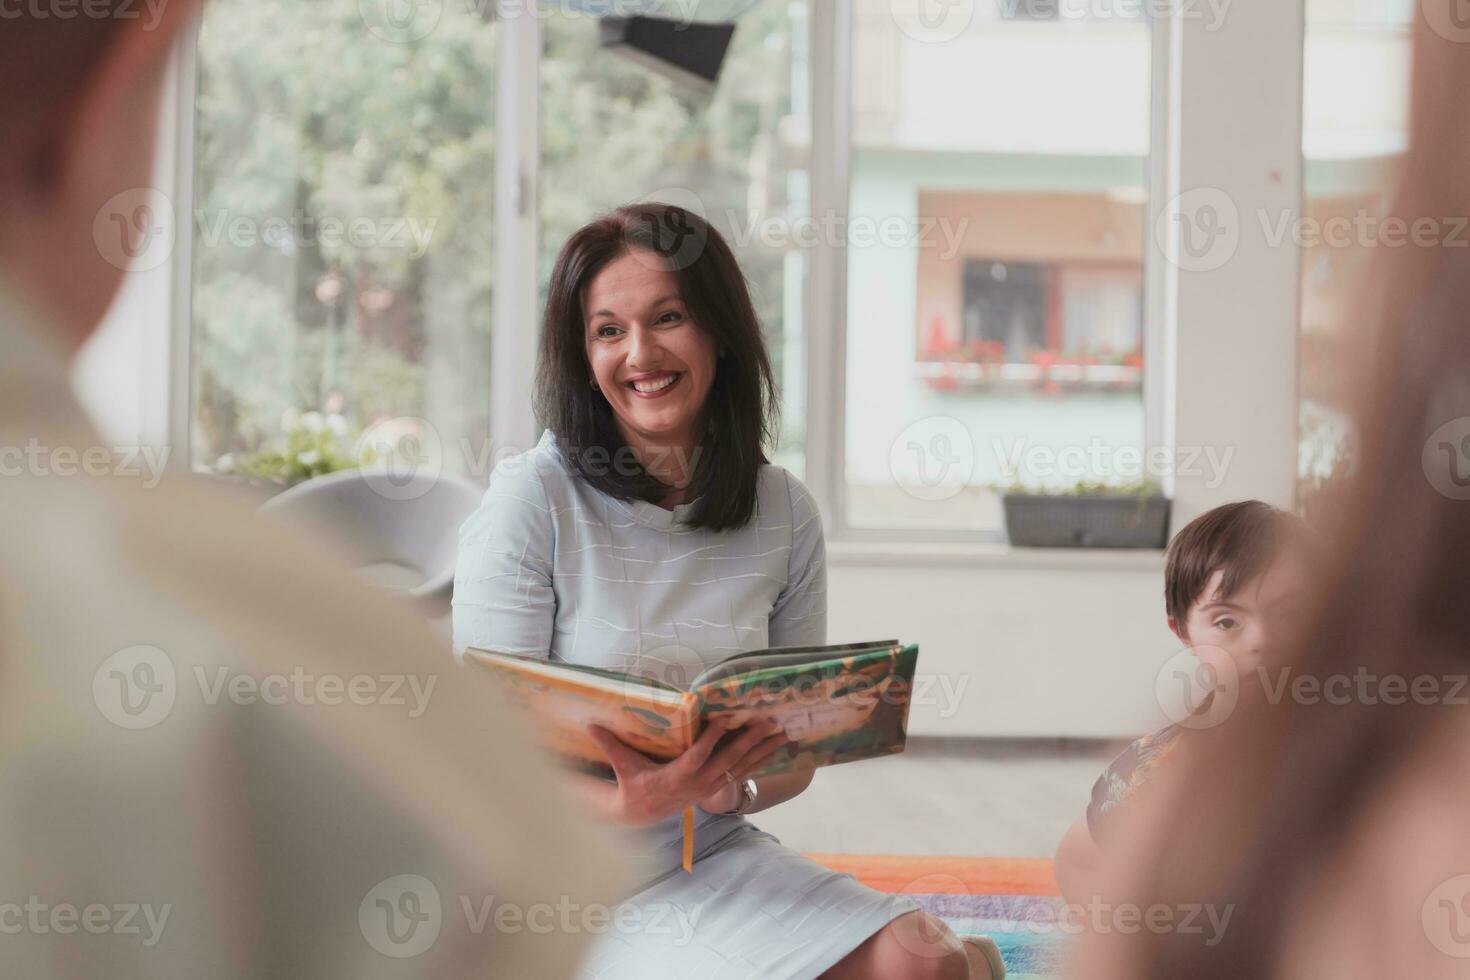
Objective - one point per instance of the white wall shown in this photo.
(1233, 332)
(1015, 644)
(116, 374)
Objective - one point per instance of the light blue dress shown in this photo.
(551, 566)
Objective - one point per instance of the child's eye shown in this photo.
(1225, 623)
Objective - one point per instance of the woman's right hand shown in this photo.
(649, 790)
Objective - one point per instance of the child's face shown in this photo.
(1251, 625)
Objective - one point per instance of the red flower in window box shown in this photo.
(945, 382)
(1044, 361)
(939, 345)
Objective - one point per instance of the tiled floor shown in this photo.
(968, 797)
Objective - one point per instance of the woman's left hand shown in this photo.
(648, 790)
(773, 790)
(724, 799)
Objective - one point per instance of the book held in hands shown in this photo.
(835, 704)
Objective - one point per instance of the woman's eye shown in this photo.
(606, 330)
(670, 317)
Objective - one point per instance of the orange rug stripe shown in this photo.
(938, 875)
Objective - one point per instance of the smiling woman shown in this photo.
(648, 358)
(648, 533)
(667, 361)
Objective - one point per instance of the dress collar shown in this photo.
(655, 516)
(642, 511)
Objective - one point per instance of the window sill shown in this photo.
(973, 374)
(978, 555)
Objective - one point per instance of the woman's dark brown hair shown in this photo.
(742, 408)
(1273, 795)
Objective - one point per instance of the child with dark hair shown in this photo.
(1233, 587)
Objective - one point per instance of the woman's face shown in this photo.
(653, 363)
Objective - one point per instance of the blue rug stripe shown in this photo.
(1025, 927)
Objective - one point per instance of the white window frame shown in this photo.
(517, 229)
(179, 370)
(1205, 337)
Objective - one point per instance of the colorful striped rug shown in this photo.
(1012, 900)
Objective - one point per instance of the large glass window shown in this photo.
(1354, 133)
(994, 236)
(343, 182)
(621, 125)
(995, 299)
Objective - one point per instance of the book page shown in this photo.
(741, 663)
(602, 677)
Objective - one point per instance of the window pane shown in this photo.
(619, 127)
(342, 236)
(1354, 132)
(995, 332)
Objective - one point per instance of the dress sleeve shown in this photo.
(799, 617)
(503, 596)
(1122, 780)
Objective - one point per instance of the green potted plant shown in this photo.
(1087, 515)
(311, 444)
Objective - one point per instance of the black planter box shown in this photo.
(1040, 521)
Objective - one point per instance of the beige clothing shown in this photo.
(187, 788)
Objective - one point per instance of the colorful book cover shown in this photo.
(837, 703)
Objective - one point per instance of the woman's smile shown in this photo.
(637, 320)
(655, 384)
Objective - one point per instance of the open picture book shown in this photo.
(836, 703)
